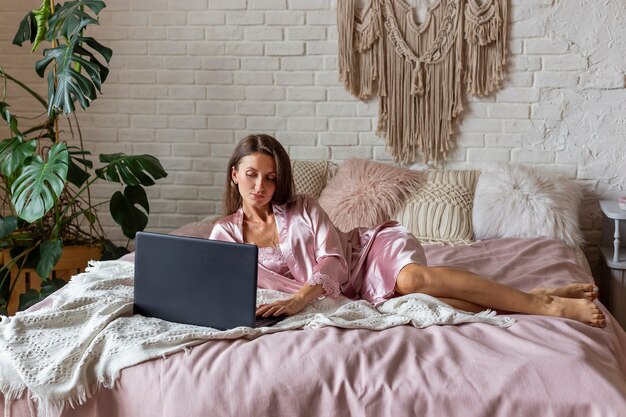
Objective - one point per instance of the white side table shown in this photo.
(613, 249)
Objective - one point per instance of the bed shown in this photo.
(539, 366)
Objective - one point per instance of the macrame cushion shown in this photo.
(441, 211)
(309, 176)
(365, 193)
(520, 201)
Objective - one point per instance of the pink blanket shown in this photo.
(540, 366)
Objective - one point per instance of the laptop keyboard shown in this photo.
(267, 321)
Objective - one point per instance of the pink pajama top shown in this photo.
(363, 263)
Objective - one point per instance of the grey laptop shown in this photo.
(196, 281)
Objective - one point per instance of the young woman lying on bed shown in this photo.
(301, 252)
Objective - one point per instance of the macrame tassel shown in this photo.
(345, 25)
(369, 27)
(485, 34)
(481, 26)
(360, 48)
(417, 86)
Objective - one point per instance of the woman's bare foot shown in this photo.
(586, 291)
(582, 310)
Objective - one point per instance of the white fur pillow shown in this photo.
(519, 201)
(365, 193)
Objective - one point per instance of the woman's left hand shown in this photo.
(288, 307)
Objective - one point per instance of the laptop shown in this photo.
(197, 281)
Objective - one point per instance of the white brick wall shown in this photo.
(189, 78)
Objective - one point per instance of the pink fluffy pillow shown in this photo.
(365, 193)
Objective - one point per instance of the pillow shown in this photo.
(309, 176)
(519, 201)
(442, 210)
(365, 193)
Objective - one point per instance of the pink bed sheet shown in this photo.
(540, 366)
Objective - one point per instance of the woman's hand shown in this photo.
(288, 307)
(292, 305)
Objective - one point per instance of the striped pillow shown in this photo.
(441, 211)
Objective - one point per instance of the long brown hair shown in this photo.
(265, 144)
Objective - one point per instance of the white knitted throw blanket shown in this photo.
(64, 352)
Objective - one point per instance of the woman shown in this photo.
(302, 253)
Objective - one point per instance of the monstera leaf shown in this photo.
(34, 26)
(71, 18)
(76, 174)
(13, 153)
(7, 225)
(40, 184)
(49, 254)
(131, 169)
(125, 211)
(66, 84)
(27, 30)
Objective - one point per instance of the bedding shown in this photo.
(539, 366)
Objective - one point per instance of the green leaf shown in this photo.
(111, 251)
(76, 174)
(69, 85)
(66, 84)
(41, 17)
(125, 212)
(71, 60)
(107, 53)
(27, 30)
(28, 299)
(50, 286)
(40, 184)
(13, 153)
(131, 169)
(10, 119)
(7, 225)
(49, 254)
(31, 257)
(70, 18)
(32, 297)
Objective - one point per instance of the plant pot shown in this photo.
(73, 261)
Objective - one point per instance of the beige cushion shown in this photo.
(442, 209)
(309, 176)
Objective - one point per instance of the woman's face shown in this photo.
(256, 179)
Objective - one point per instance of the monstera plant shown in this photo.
(46, 178)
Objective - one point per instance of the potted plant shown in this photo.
(46, 179)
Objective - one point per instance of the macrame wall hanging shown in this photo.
(417, 70)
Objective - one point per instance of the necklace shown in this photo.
(271, 239)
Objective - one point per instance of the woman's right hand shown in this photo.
(287, 307)
(292, 305)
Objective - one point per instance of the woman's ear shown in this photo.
(233, 175)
